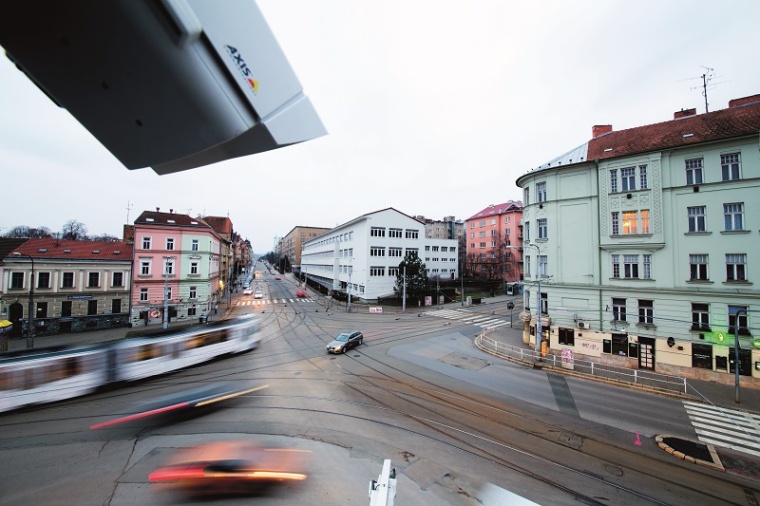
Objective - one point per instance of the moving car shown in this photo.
(278, 278)
(259, 294)
(231, 466)
(300, 293)
(247, 291)
(344, 341)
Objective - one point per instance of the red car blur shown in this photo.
(300, 293)
(231, 467)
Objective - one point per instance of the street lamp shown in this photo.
(350, 271)
(166, 289)
(736, 349)
(30, 332)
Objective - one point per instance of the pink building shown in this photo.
(494, 238)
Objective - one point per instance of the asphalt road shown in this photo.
(451, 418)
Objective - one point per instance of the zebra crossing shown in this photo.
(263, 302)
(729, 428)
(483, 321)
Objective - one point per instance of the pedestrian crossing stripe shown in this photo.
(467, 317)
(261, 302)
(726, 427)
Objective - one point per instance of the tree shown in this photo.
(104, 238)
(416, 278)
(74, 230)
(24, 231)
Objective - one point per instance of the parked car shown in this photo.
(344, 341)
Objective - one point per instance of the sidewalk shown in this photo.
(710, 392)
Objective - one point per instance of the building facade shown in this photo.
(292, 243)
(493, 241)
(362, 255)
(646, 243)
(71, 285)
(177, 268)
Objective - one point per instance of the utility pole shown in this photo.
(403, 301)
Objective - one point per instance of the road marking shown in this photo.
(726, 427)
(467, 317)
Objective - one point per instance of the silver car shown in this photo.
(344, 341)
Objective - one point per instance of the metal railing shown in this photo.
(644, 378)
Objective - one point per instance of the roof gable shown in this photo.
(74, 250)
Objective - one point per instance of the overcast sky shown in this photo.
(433, 107)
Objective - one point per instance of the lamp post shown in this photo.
(166, 290)
(539, 334)
(30, 331)
(350, 271)
(736, 350)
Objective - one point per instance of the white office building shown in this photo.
(362, 256)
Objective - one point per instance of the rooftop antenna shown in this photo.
(129, 208)
(706, 78)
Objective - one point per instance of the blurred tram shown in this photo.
(49, 375)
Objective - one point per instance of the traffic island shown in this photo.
(691, 451)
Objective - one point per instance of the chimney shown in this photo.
(685, 113)
(171, 211)
(598, 130)
(743, 101)
(158, 209)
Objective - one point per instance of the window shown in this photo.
(169, 243)
(694, 171)
(411, 234)
(566, 336)
(643, 177)
(92, 307)
(168, 266)
(526, 231)
(143, 295)
(542, 232)
(630, 222)
(193, 292)
(482, 233)
(394, 252)
(697, 219)
(541, 192)
(644, 213)
(393, 271)
(613, 181)
(17, 280)
(67, 281)
(628, 179)
(736, 267)
(144, 267)
(146, 243)
(543, 266)
(700, 317)
(698, 268)
(93, 279)
(526, 196)
(619, 344)
(482, 223)
(43, 280)
(194, 245)
(631, 266)
(615, 223)
(482, 245)
(377, 271)
(66, 308)
(735, 319)
(42, 309)
(115, 306)
(493, 233)
(493, 221)
(527, 265)
(168, 293)
(117, 279)
(377, 232)
(647, 266)
(414, 252)
(376, 251)
(191, 311)
(618, 310)
(646, 312)
(730, 166)
(544, 306)
(733, 216)
(615, 266)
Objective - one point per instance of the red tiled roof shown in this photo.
(76, 250)
(736, 121)
(498, 209)
(169, 219)
(220, 224)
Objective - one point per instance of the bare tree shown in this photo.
(74, 230)
(104, 238)
(24, 231)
